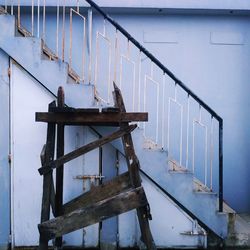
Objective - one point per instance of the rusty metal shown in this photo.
(18, 14)
(87, 177)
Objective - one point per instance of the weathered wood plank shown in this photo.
(92, 214)
(82, 118)
(65, 109)
(59, 170)
(52, 192)
(133, 163)
(98, 193)
(85, 149)
(46, 157)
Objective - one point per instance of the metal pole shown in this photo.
(220, 165)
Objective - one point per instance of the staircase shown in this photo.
(187, 175)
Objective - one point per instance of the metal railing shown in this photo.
(179, 121)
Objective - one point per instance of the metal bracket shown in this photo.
(89, 177)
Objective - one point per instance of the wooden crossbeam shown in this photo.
(90, 118)
(94, 213)
(84, 110)
(98, 193)
(85, 149)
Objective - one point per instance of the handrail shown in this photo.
(180, 83)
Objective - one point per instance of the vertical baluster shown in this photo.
(44, 21)
(12, 8)
(168, 133)
(193, 139)
(206, 155)
(84, 46)
(32, 17)
(38, 18)
(6, 6)
(220, 165)
(120, 80)
(139, 82)
(78, 6)
(181, 134)
(96, 62)
(57, 27)
(163, 112)
(109, 61)
(70, 38)
(116, 54)
(63, 32)
(90, 44)
(211, 153)
(18, 14)
(157, 113)
(187, 148)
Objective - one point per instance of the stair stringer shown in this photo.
(180, 185)
(27, 51)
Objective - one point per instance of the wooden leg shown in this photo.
(47, 179)
(59, 170)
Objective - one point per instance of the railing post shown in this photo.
(221, 165)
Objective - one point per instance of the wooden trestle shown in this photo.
(112, 198)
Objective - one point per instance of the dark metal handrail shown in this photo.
(178, 82)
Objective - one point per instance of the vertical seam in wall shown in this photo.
(12, 154)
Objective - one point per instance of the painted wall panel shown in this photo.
(109, 228)
(4, 152)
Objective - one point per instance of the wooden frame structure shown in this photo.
(112, 198)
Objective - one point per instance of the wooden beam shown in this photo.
(90, 118)
(98, 193)
(59, 170)
(94, 213)
(85, 149)
(46, 156)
